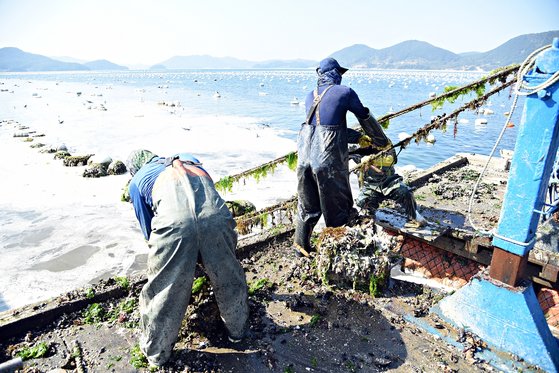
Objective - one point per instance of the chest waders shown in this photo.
(323, 176)
(191, 220)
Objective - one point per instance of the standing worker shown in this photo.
(322, 169)
(183, 217)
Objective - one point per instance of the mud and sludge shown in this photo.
(335, 311)
(297, 323)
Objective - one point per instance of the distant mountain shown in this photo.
(205, 62)
(513, 51)
(413, 54)
(14, 59)
(355, 56)
(104, 65)
(410, 54)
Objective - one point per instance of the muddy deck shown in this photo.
(443, 196)
(297, 324)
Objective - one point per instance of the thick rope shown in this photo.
(435, 124)
(500, 76)
(419, 134)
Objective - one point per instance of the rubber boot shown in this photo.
(302, 241)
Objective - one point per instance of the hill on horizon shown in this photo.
(415, 54)
(409, 54)
(15, 60)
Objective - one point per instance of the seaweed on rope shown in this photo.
(265, 217)
(452, 93)
(261, 219)
(439, 122)
(225, 184)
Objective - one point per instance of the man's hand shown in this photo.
(368, 161)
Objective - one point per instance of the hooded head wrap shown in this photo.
(329, 64)
(137, 159)
(330, 72)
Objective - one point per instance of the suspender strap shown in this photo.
(315, 103)
(169, 161)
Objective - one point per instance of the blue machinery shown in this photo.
(502, 307)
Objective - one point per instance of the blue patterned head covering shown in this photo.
(137, 159)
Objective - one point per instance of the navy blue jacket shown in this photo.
(336, 103)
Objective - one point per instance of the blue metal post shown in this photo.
(509, 318)
(532, 162)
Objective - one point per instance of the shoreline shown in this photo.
(61, 231)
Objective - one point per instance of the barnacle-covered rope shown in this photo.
(262, 217)
(501, 75)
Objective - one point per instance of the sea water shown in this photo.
(275, 99)
(59, 232)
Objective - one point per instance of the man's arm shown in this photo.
(367, 121)
(144, 214)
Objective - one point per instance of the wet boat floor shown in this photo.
(296, 325)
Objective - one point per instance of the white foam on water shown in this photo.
(60, 231)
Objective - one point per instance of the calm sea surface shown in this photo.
(272, 96)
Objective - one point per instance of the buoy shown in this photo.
(430, 138)
(480, 121)
(403, 135)
(510, 125)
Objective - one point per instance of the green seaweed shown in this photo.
(94, 313)
(225, 184)
(375, 285)
(314, 362)
(292, 159)
(257, 285)
(38, 350)
(137, 358)
(89, 293)
(198, 284)
(122, 281)
(385, 124)
(314, 320)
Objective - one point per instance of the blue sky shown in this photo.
(148, 31)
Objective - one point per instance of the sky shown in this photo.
(146, 32)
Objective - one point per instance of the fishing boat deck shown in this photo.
(296, 324)
(443, 195)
